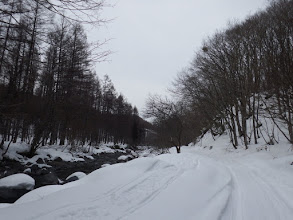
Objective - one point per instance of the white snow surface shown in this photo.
(201, 183)
(18, 181)
(125, 157)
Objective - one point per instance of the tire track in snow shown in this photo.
(123, 200)
(178, 167)
(146, 199)
(270, 189)
(134, 195)
(97, 198)
(200, 192)
(218, 201)
(230, 209)
(253, 197)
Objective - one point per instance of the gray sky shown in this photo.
(154, 39)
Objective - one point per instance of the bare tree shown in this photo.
(170, 120)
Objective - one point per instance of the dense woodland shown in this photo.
(239, 74)
(49, 93)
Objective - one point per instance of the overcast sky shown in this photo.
(153, 40)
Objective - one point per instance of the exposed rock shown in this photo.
(29, 164)
(71, 179)
(75, 176)
(11, 195)
(40, 161)
(34, 168)
(63, 169)
(117, 147)
(134, 148)
(43, 171)
(46, 179)
(27, 170)
(14, 186)
(58, 159)
(9, 167)
(105, 165)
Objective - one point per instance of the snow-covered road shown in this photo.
(255, 197)
(191, 185)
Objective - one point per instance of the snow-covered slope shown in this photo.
(202, 182)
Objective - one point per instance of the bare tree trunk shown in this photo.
(240, 132)
(254, 121)
(243, 121)
(233, 127)
(27, 84)
(232, 132)
(4, 153)
(5, 44)
(290, 126)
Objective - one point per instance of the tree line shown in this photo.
(239, 74)
(49, 92)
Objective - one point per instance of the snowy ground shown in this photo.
(202, 182)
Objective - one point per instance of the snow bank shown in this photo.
(39, 193)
